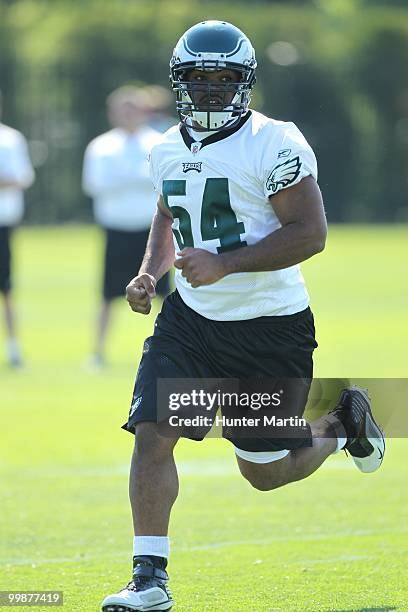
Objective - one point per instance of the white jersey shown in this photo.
(116, 175)
(15, 167)
(218, 192)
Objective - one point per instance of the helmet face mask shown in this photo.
(212, 47)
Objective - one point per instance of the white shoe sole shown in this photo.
(376, 438)
(142, 601)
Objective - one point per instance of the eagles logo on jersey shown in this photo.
(283, 174)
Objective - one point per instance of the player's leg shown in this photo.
(283, 347)
(350, 426)
(153, 488)
(275, 359)
(153, 484)
(269, 470)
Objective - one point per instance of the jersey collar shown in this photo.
(188, 140)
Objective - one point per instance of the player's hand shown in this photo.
(199, 266)
(140, 292)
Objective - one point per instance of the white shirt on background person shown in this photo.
(116, 176)
(15, 166)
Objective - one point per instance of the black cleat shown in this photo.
(365, 440)
(147, 591)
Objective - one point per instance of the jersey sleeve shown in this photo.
(287, 161)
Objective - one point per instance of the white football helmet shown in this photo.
(212, 46)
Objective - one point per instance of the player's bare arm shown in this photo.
(302, 235)
(157, 261)
(200, 267)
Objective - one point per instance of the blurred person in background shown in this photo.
(116, 176)
(161, 116)
(16, 175)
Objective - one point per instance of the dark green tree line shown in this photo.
(336, 68)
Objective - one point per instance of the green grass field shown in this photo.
(336, 541)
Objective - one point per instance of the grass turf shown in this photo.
(336, 541)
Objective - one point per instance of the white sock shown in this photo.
(341, 443)
(157, 546)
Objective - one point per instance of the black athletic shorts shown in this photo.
(124, 253)
(186, 345)
(5, 260)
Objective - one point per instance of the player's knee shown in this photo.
(261, 477)
(149, 444)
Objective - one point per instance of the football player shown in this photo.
(238, 209)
